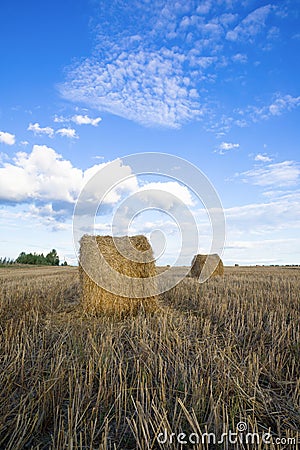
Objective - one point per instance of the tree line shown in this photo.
(51, 259)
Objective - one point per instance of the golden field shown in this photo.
(213, 355)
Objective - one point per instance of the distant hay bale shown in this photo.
(206, 266)
(116, 275)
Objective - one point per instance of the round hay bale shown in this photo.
(206, 266)
(102, 258)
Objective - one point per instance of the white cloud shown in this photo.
(147, 87)
(251, 25)
(240, 57)
(79, 119)
(264, 232)
(60, 119)
(160, 69)
(283, 103)
(41, 174)
(45, 176)
(86, 120)
(254, 113)
(38, 130)
(24, 143)
(262, 158)
(154, 193)
(227, 146)
(280, 104)
(204, 8)
(7, 138)
(67, 132)
(286, 173)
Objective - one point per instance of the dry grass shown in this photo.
(215, 354)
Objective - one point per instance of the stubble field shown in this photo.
(213, 356)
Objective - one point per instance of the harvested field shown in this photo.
(215, 354)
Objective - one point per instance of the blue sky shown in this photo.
(214, 82)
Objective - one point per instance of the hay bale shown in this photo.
(206, 266)
(117, 275)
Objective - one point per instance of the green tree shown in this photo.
(53, 258)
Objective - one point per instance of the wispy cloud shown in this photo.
(280, 104)
(283, 103)
(7, 138)
(251, 25)
(38, 130)
(283, 174)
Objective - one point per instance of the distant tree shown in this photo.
(53, 258)
(6, 261)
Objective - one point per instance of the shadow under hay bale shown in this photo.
(116, 275)
(206, 266)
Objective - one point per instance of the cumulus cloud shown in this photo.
(7, 138)
(286, 173)
(227, 146)
(38, 130)
(43, 175)
(60, 119)
(79, 119)
(86, 120)
(67, 132)
(262, 158)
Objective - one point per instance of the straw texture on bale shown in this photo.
(117, 275)
(206, 266)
